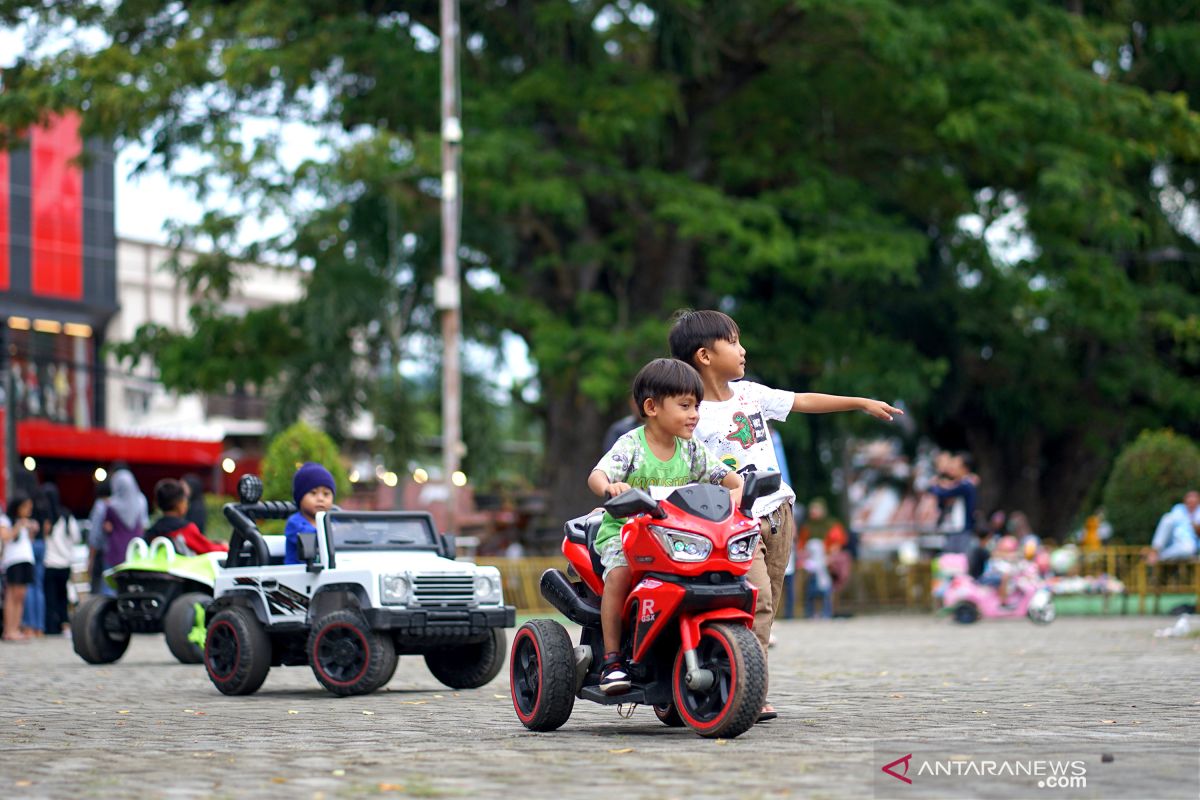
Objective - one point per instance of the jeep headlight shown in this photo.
(682, 546)
(742, 548)
(393, 589)
(487, 588)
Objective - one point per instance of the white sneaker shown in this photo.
(615, 680)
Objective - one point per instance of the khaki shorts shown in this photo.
(612, 555)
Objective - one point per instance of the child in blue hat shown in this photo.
(313, 490)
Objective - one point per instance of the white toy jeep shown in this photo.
(372, 585)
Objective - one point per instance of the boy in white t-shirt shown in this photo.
(733, 425)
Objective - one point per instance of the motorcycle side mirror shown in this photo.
(632, 502)
(758, 484)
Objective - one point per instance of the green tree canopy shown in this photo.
(835, 173)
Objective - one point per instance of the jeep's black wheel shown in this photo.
(348, 657)
(237, 651)
(469, 666)
(184, 627)
(97, 633)
(385, 677)
(668, 716)
(541, 675)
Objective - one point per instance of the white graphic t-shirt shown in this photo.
(736, 432)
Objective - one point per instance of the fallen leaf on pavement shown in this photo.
(622, 751)
(368, 713)
(123, 711)
(278, 780)
(290, 711)
(337, 773)
(391, 787)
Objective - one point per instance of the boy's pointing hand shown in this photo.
(880, 409)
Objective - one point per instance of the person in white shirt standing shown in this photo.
(64, 535)
(17, 562)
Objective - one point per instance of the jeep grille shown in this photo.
(444, 590)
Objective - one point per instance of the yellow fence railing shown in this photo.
(888, 586)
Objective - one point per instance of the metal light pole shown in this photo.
(447, 295)
(9, 466)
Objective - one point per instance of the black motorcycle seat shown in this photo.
(583, 530)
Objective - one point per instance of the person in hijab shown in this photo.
(97, 536)
(60, 543)
(197, 512)
(126, 517)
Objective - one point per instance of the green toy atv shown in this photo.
(158, 591)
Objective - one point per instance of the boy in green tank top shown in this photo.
(660, 454)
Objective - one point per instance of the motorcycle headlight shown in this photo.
(487, 589)
(682, 546)
(742, 548)
(393, 589)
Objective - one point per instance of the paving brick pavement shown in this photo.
(149, 727)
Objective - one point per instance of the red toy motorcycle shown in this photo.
(687, 636)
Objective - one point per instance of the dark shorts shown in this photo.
(19, 574)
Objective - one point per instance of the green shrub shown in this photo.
(291, 448)
(1149, 476)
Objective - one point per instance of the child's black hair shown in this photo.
(18, 499)
(692, 330)
(168, 494)
(666, 377)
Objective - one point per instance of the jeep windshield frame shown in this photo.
(374, 531)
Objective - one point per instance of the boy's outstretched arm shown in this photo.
(814, 403)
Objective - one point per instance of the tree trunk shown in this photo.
(1047, 480)
(575, 435)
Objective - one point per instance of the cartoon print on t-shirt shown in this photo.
(743, 433)
(749, 429)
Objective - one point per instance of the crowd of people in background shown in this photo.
(39, 537)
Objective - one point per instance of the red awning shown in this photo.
(42, 439)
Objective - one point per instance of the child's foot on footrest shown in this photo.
(614, 676)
